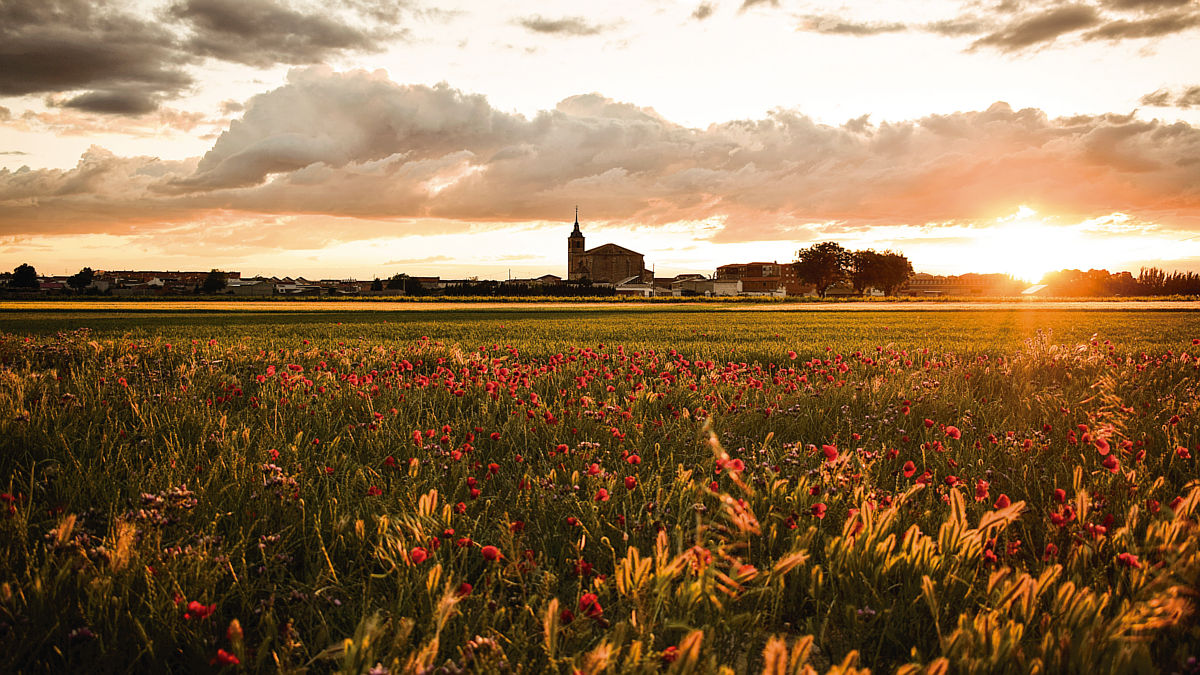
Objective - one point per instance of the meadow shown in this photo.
(615, 489)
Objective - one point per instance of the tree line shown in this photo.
(829, 264)
(1099, 283)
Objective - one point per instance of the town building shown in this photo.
(756, 277)
(607, 264)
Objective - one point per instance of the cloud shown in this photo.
(263, 33)
(751, 4)
(1164, 98)
(106, 58)
(356, 145)
(571, 25)
(1014, 25)
(1149, 27)
(703, 11)
(419, 261)
(65, 45)
(13, 152)
(1041, 28)
(832, 25)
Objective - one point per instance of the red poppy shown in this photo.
(1129, 560)
(1002, 502)
(1112, 464)
(464, 589)
(818, 510)
(490, 553)
(928, 423)
(981, 490)
(831, 452)
(630, 482)
(601, 495)
(1060, 495)
(418, 555)
(196, 610)
(909, 469)
(224, 658)
(374, 491)
(590, 604)
(670, 654)
(953, 432)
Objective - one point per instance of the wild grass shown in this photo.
(600, 492)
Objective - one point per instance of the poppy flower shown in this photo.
(195, 610)
(224, 658)
(818, 510)
(590, 604)
(1129, 560)
(909, 469)
(670, 654)
(1060, 495)
(464, 589)
(601, 495)
(928, 423)
(1112, 464)
(831, 452)
(630, 482)
(490, 553)
(953, 432)
(374, 491)
(981, 490)
(1002, 502)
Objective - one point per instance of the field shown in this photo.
(615, 489)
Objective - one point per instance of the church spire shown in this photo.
(576, 230)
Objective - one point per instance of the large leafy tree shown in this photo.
(25, 276)
(894, 270)
(81, 279)
(215, 282)
(823, 265)
(865, 269)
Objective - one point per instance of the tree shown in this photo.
(25, 277)
(894, 270)
(215, 282)
(865, 270)
(81, 279)
(409, 285)
(377, 285)
(823, 265)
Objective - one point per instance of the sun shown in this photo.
(1026, 246)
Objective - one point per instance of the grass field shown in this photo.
(616, 489)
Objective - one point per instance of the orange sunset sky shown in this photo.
(363, 138)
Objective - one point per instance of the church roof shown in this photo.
(610, 249)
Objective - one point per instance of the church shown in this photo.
(607, 264)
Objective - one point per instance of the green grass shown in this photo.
(155, 459)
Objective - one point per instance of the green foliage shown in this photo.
(311, 491)
(823, 265)
(215, 282)
(81, 279)
(24, 277)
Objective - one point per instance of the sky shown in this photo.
(364, 138)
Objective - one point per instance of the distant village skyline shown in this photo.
(365, 137)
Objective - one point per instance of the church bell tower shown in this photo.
(575, 269)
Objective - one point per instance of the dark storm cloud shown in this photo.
(116, 101)
(437, 154)
(51, 46)
(570, 25)
(103, 57)
(1041, 28)
(264, 32)
(703, 11)
(1165, 98)
(833, 25)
